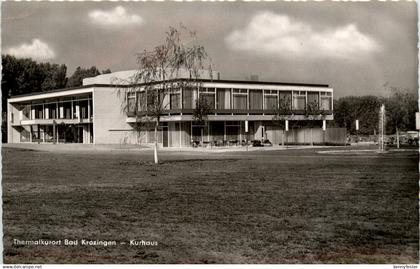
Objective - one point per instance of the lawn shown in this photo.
(294, 206)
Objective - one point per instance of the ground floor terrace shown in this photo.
(55, 132)
(186, 133)
(236, 133)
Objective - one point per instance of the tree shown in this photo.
(23, 76)
(201, 111)
(363, 108)
(400, 109)
(80, 73)
(313, 113)
(282, 112)
(55, 76)
(158, 75)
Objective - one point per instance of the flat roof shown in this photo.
(202, 80)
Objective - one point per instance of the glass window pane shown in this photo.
(141, 101)
(270, 102)
(313, 99)
(325, 103)
(285, 99)
(175, 99)
(255, 99)
(223, 98)
(299, 102)
(189, 96)
(239, 102)
(232, 133)
(208, 99)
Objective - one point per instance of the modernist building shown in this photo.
(93, 113)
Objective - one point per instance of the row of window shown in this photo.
(238, 99)
(60, 110)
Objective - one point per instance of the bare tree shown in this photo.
(201, 111)
(161, 71)
(313, 112)
(283, 112)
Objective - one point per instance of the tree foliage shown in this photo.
(201, 111)
(22, 76)
(363, 108)
(283, 111)
(76, 79)
(400, 109)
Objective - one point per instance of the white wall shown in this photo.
(109, 119)
(13, 136)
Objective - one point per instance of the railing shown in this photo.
(222, 112)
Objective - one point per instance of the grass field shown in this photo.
(294, 206)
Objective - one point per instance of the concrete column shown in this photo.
(263, 99)
(71, 109)
(61, 111)
(88, 109)
(247, 99)
(32, 113)
(46, 113)
(78, 111)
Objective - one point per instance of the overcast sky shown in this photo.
(357, 48)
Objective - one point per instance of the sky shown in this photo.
(358, 48)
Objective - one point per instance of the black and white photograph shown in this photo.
(210, 132)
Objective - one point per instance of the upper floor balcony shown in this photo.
(71, 111)
(231, 101)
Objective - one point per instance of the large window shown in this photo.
(255, 99)
(299, 100)
(223, 98)
(232, 131)
(52, 110)
(66, 110)
(189, 96)
(240, 99)
(313, 99)
(208, 96)
(39, 111)
(76, 109)
(175, 99)
(270, 99)
(141, 101)
(131, 102)
(84, 110)
(326, 101)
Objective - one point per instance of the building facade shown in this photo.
(100, 112)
